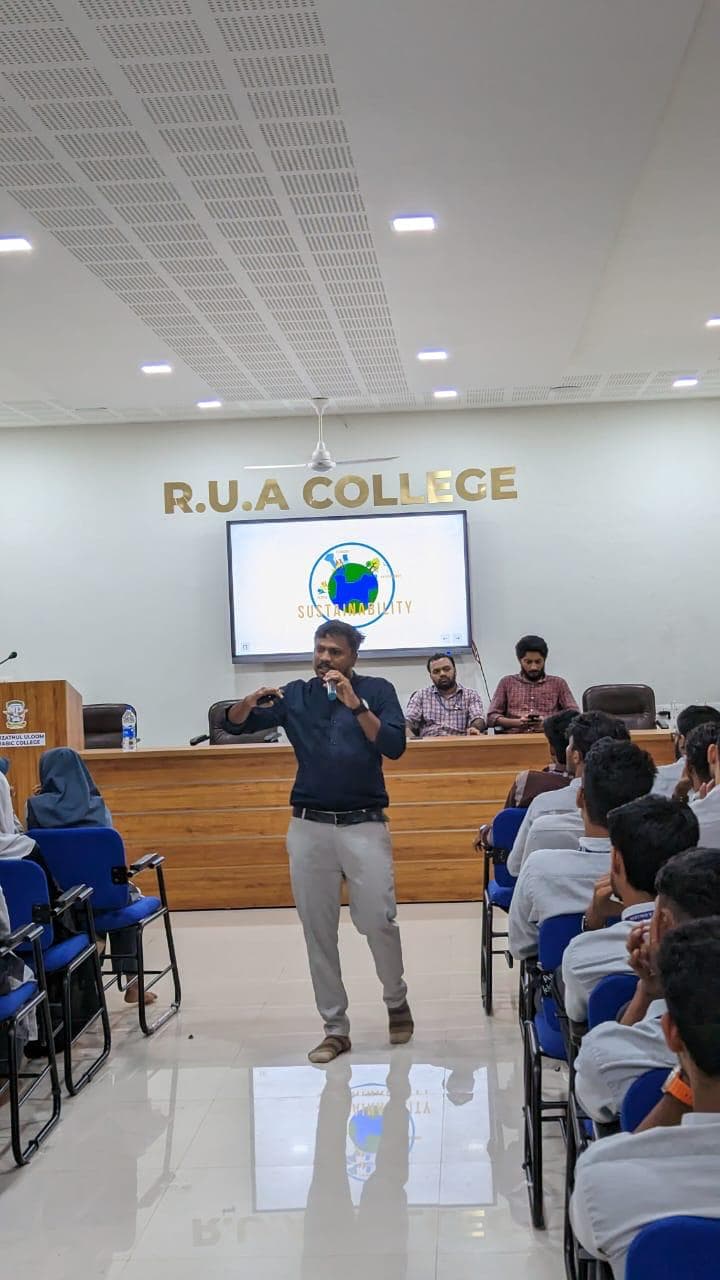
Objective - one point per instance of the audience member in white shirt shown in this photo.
(614, 1054)
(555, 882)
(707, 807)
(672, 779)
(586, 729)
(644, 834)
(625, 1182)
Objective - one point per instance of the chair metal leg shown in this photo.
(486, 956)
(72, 1085)
(532, 1112)
(149, 1029)
(23, 1154)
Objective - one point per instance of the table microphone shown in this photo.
(10, 655)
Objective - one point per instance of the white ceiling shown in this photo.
(212, 182)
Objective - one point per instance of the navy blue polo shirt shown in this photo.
(338, 767)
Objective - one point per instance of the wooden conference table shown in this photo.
(220, 813)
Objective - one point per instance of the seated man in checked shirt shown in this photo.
(521, 702)
(446, 708)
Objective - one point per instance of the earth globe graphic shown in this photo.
(365, 1130)
(352, 587)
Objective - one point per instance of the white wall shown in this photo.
(609, 550)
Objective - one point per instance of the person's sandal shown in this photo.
(329, 1048)
(400, 1023)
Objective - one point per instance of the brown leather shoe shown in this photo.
(400, 1023)
(329, 1048)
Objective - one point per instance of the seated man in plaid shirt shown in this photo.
(521, 702)
(446, 709)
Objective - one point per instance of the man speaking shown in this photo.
(340, 725)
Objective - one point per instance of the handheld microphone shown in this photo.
(9, 657)
(202, 737)
(331, 689)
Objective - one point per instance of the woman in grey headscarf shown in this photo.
(67, 795)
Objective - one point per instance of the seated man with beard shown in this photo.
(521, 702)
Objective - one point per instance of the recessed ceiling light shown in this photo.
(209, 404)
(161, 367)
(14, 244)
(681, 383)
(713, 322)
(445, 393)
(414, 222)
(432, 355)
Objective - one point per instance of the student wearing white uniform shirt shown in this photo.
(614, 1054)
(585, 730)
(556, 882)
(625, 1182)
(707, 810)
(698, 772)
(644, 835)
(669, 776)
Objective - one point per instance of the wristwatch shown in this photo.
(678, 1088)
(361, 709)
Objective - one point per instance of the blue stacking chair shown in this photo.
(609, 997)
(675, 1247)
(29, 997)
(26, 893)
(96, 856)
(542, 1039)
(497, 892)
(643, 1094)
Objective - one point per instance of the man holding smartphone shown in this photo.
(340, 725)
(521, 702)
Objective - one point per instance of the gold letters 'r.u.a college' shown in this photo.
(320, 492)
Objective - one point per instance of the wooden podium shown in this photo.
(35, 715)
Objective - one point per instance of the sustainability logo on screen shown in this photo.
(354, 581)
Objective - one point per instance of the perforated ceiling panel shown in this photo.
(194, 157)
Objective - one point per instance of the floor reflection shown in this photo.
(424, 1125)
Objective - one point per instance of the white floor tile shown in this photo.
(215, 1150)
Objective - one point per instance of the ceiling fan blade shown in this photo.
(349, 462)
(276, 466)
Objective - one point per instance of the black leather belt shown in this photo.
(346, 818)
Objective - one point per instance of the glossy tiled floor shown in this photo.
(216, 1151)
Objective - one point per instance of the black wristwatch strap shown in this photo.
(358, 711)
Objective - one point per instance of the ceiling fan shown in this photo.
(320, 458)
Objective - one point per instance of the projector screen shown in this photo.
(402, 580)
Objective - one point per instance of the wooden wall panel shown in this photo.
(220, 814)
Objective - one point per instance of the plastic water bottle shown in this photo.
(129, 730)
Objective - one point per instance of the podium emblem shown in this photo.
(15, 714)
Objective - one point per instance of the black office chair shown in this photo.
(633, 703)
(102, 722)
(219, 736)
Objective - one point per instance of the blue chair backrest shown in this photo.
(643, 1094)
(25, 886)
(675, 1247)
(86, 855)
(554, 936)
(609, 996)
(505, 826)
